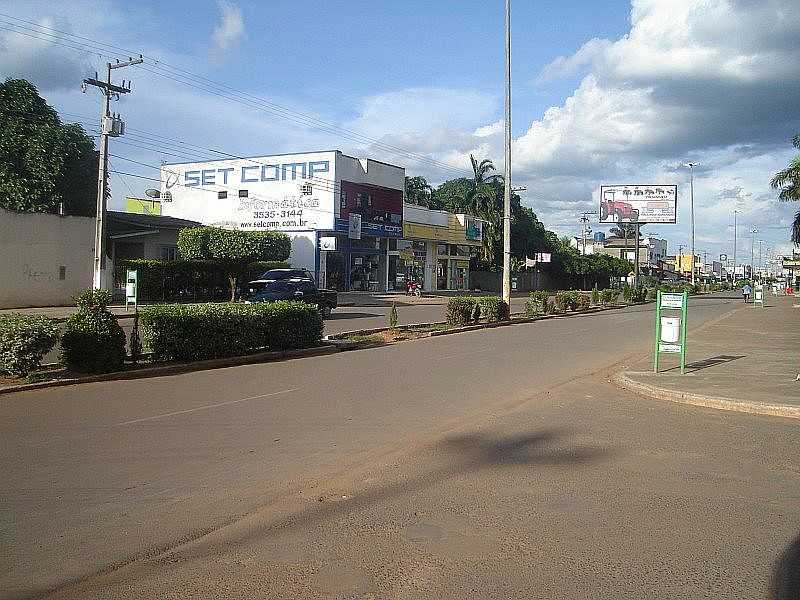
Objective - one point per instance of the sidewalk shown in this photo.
(746, 361)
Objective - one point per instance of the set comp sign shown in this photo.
(284, 193)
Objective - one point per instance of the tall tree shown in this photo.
(418, 191)
(788, 182)
(42, 161)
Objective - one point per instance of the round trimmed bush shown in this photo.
(93, 341)
(24, 342)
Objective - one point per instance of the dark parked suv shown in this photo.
(291, 284)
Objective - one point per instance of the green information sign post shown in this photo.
(131, 288)
(671, 330)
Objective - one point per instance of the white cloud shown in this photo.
(717, 81)
(39, 59)
(230, 30)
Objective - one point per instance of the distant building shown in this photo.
(143, 206)
(652, 251)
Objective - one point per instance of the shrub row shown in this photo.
(463, 310)
(197, 332)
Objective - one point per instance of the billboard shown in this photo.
(638, 203)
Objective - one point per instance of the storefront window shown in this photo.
(459, 275)
(441, 250)
(365, 273)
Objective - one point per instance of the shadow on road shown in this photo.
(713, 361)
(461, 454)
(339, 316)
(785, 583)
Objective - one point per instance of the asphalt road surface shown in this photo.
(492, 464)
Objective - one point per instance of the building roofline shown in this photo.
(262, 156)
(189, 162)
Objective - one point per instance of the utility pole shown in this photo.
(691, 166)
(754, 231)
(584, 232)
(110, 126)
(636, 258)
(585, 228)
(507, 191)
(679, 260)
(735, 229)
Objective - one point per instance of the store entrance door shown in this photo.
(441, 274)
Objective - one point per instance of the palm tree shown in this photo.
(788, 182)
(482, 201)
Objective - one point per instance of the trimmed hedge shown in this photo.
(463, 310)
(24, 342)
(458, 311)
(93, 341)
(493, 308)
(203, 331)
(538, 303)
(187, 279)
(609, 296)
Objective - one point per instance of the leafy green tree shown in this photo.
(623, 230)
(42, 161)
(233, 250)
(420, 192)
(788, 182)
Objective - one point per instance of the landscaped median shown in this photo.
(176, 338)
(470, 313)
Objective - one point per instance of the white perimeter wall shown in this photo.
(33, 247)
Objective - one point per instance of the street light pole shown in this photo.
(507, 191)
(754, 231)
(735, 229)
(691, 166)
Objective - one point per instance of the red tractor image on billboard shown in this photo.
(617, 209)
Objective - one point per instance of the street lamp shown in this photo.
(754, 231)
(735, 229)
(691, 166)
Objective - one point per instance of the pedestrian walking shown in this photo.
(746, 291)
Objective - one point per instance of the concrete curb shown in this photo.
(178, 368)
(719, 403)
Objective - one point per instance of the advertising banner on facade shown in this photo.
(291, 192)
(638, 203)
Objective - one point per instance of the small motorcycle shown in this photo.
(413, 289)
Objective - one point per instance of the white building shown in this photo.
(339, 211)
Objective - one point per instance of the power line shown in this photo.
(190, 79)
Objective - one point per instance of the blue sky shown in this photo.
(604, 91)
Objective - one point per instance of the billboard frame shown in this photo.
(607, 221)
